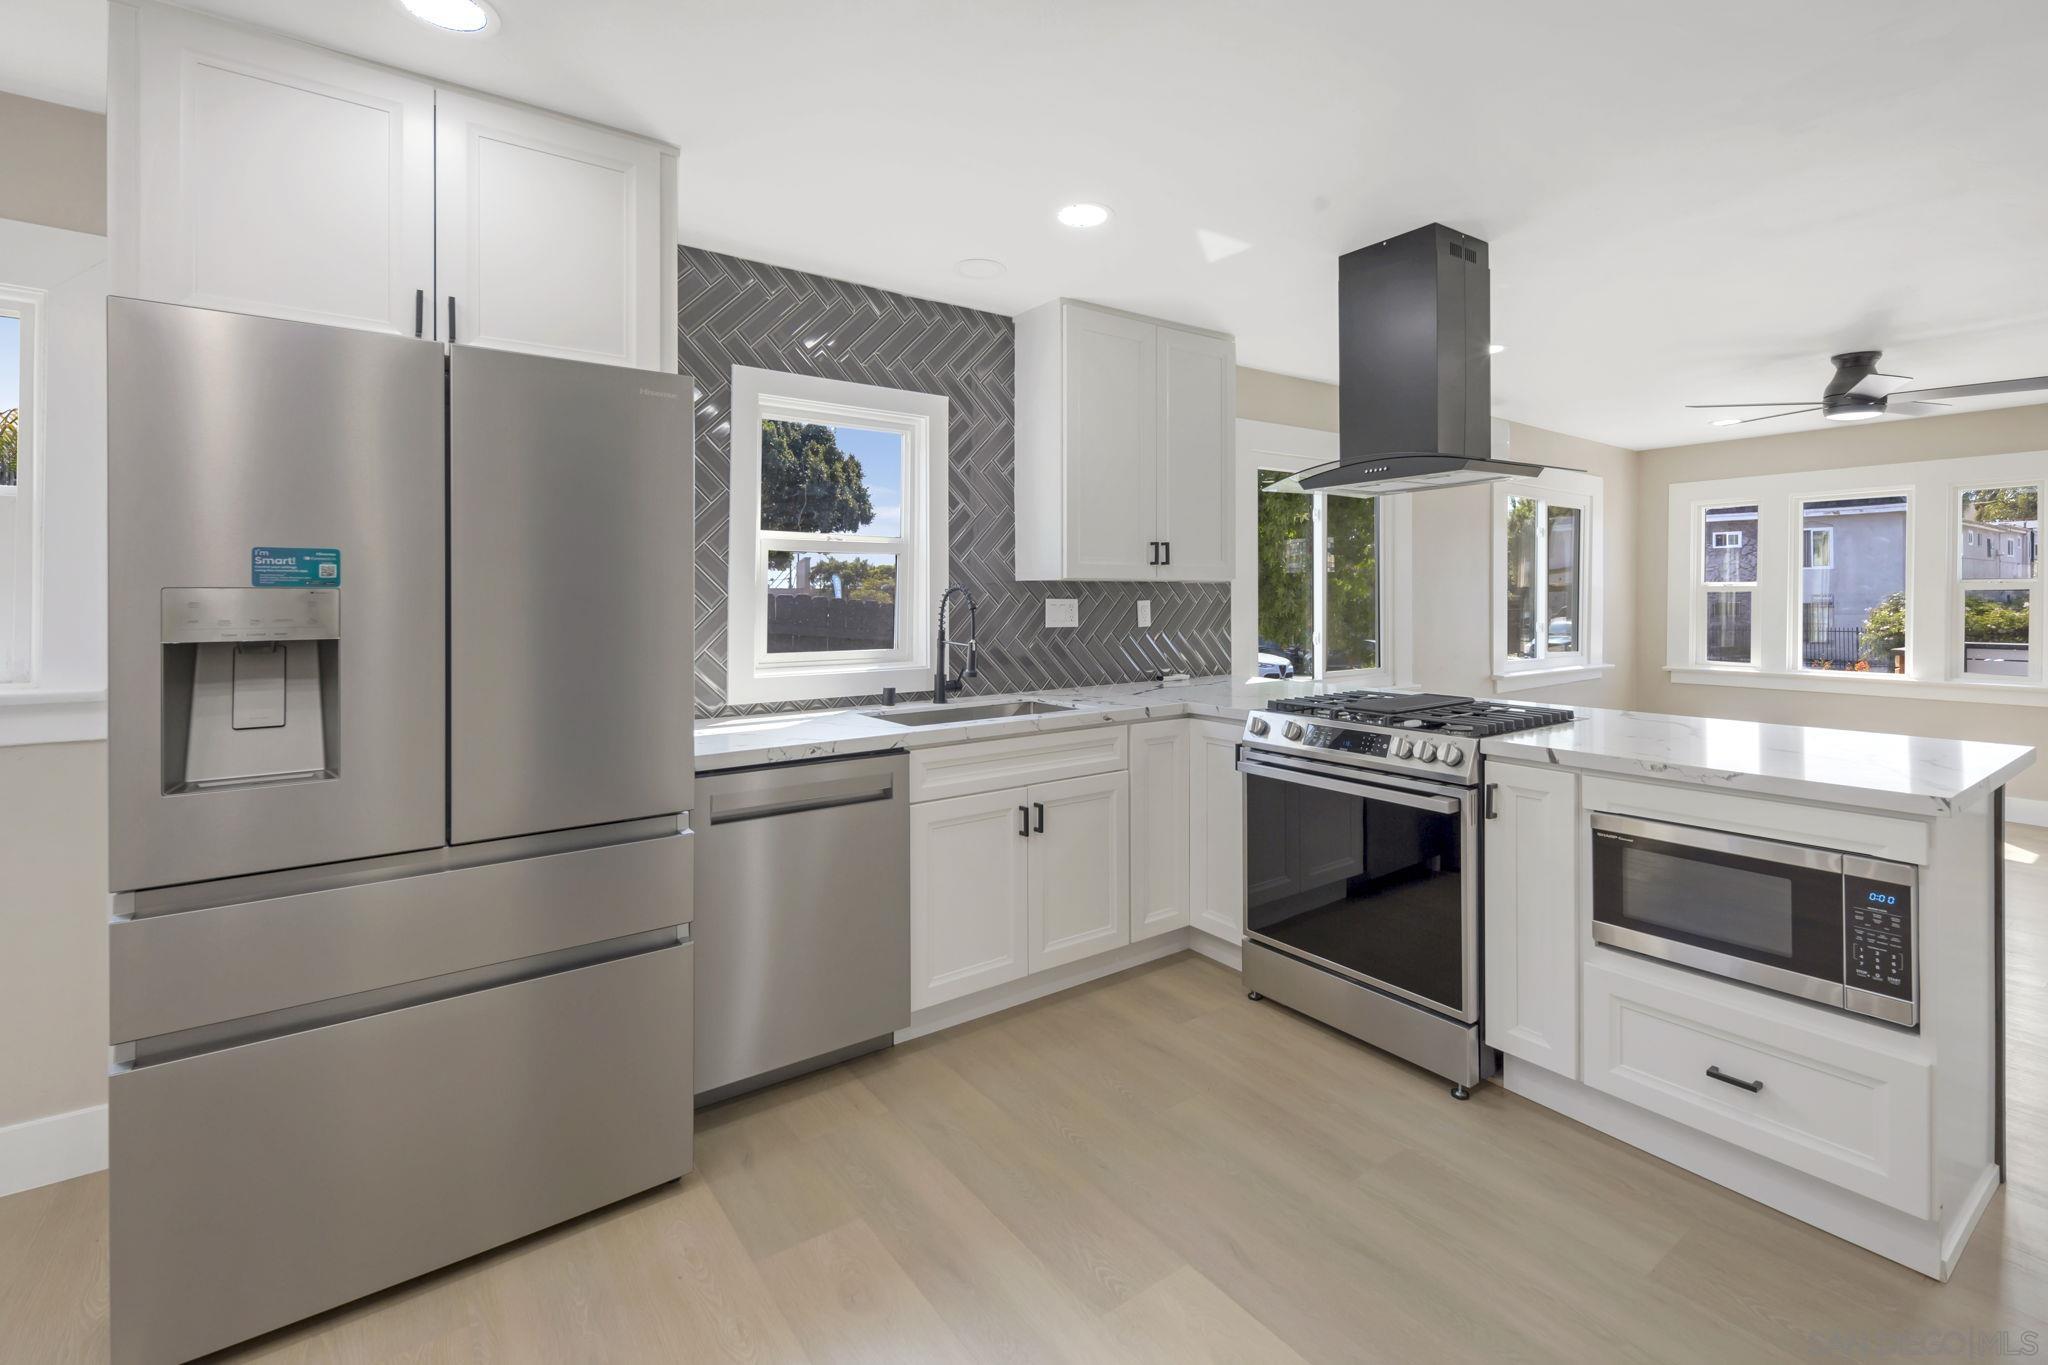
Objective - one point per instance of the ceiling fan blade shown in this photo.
(2039, 382)
(1769, 415)
(1791, 403)
(1869, 384)
(1913, 407)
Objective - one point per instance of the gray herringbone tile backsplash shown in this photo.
(739, 312)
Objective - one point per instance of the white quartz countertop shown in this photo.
(1903, 773)
(744, 741)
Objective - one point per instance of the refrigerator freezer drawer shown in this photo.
(256, 1185)
(197, 967)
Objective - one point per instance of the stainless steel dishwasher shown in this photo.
(802, 917)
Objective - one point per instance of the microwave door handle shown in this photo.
(1365, 791)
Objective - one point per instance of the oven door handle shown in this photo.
(1368, 791)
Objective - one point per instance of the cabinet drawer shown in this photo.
(258, 1184)
(1853, 1116)
(993, 764)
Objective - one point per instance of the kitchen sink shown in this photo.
(994, 710)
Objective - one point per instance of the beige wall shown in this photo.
(53, 930)
(2000, 431)
(53, 165)
(1452, 575)
(1263, 396)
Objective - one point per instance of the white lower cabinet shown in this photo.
(1215, 831)
(1010, 882)
(1850, 1113)
(1080, 868)
(969, 891)
(1532, 923)
(1161, 871)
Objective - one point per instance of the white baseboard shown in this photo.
(2024, 810)
(46, 1150)
(1216, 949)
(952, 1013)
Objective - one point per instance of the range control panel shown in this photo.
(1879, 936)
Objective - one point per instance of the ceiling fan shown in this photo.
(1857, 392)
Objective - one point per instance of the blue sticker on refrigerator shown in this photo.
(289, 567)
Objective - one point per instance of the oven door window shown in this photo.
(1780, 914)
(1366, 886)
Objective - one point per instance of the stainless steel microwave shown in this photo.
(1835, 928)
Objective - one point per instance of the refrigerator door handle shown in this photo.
(451, 319)
(419, 312)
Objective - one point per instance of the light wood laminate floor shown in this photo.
(1153, 1168)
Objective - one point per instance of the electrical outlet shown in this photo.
(1062, 612)
(1144, 614)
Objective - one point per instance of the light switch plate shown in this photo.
(1144, 613)
(1062, 612)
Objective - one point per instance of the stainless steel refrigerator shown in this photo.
(399, 775)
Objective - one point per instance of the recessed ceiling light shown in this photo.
(1725, 421)
(456, 16)
(1084, 215)
(1495, 349)
(980, 268)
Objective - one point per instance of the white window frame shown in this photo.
(2034, 676)
(1795, 582)
(1697, 576)
(1934, 583)
(1559, 488)
(19, 505)
(923, 549)
(1727, 540)
(1292, 449)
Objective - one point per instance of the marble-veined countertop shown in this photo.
(1900, 773)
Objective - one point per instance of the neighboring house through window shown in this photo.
(839, 538)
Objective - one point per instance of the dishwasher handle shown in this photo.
(792, 798)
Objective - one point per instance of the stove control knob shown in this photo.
(1404, 748)
(1453, 755)
(1258, 725)
(1293, 731)
(1428, 751)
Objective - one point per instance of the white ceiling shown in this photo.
(1686, 203)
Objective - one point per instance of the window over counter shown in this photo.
(1546, 580)
(839, 536)
(1315, 593)
(1913, 577)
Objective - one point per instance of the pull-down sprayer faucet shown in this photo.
(941, 685)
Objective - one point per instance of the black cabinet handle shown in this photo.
(1039, 806)
(1751, 1086)
(1155, 553)
(419, 312)
(451, 318)
(1169, 552)
(1023, 822)
(1492, 802)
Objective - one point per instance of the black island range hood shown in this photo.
(1414, 385)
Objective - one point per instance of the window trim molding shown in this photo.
(1278, 445)
(922, 569)
(22, 645)
(1566, 488)
(1933, 579)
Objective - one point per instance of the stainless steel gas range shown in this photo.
(1362, 865)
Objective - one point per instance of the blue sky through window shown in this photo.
(881, 462)
(10, 363)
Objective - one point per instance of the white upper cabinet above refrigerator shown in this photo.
(257, 174)
(1125, 431)
(544, 234)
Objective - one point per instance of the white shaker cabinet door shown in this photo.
(969, 874)
(1159, 827)
(1197, 421)
(550, 235)
(1216, 833)
(276, 179)
(1111, 382)
(1532, 900)
(1080, 896)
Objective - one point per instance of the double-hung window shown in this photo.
(1726, 601)
(1545, 613)
(839, 545)
(1853, 582)
(1997, 571)
(1319, 570)
(19, 425)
